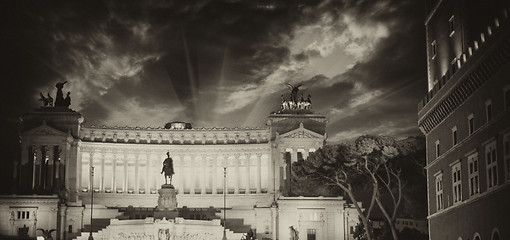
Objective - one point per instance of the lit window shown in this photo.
(471, 124)
(439, 191)
(452, 25)
(474, 182)
(433, 49)
(488, 110)
(492, 164)
(454, 135)
(506, 145)
(437, 149)
(456, 183)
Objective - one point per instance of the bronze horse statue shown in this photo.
(168, 168)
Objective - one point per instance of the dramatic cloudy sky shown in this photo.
(219, 63)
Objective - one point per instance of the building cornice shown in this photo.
(470, 200)
(469, 83)
(156, 136)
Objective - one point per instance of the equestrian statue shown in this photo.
(168, 168)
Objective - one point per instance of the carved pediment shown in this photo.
(44, 130)
(302, 132)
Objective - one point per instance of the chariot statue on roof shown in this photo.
(295, 103)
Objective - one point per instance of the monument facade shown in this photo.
(58, 152)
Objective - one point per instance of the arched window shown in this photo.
(477, 237)
(495, 234)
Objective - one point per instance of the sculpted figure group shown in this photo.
(60, 101)
(294, 103)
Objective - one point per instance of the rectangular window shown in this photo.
(454, 135)
(439, 191)
(474, 182)
(433, 49)
(471, 124)
(451, 24)
(456, 183)
(488, 110)
(23, 215)
(310, 234)
(437, 149)
(506, 145)
(492, 164)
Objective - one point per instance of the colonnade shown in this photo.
(122, 171)
(45, 165)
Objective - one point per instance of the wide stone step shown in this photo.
(236, 225)
(97, 224)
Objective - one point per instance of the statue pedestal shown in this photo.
(167, 203)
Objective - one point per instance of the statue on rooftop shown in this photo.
(168, 168)
(294, 103)
(60, 101)
(47, 101)
(293, 91)
(67, 100)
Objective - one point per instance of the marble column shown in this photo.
(34, 157)
(40, 163)
(114, 172)
(293, 155)
(137, 175)
(270, 174)
(91, 164)
(154, 172)
(215, 174)
(101, 185)
(49, 168)
(191, 177)
(125, 178)
(236, 174)
(181, 174)
(248, 163)
(284, 165)
(259, 172)
(147, 174)
(57, 165)
(203, 162)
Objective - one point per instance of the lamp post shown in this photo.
(91, 199)
(224, 203)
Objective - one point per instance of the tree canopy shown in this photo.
(378, 165)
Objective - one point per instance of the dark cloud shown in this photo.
(216, 63)
(191, 55)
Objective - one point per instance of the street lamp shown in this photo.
(224, 203)
(91, 199)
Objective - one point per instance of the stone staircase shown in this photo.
(236, 225)
(97, 224)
